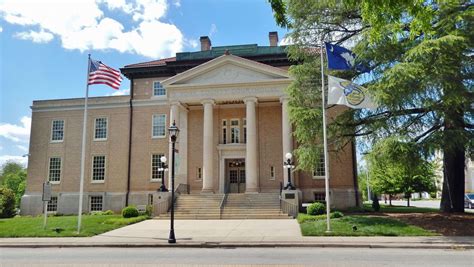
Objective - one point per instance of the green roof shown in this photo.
(237, 50)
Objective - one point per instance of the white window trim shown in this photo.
(64, 131)
(106, 129)
(158, 136)
(153, 91)
(60, 170)
(151, 168)
(92, 169)
(226, 131)
(319, 177)
(90, 203)
(235, 126)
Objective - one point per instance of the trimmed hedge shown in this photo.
(130, 212)
(316, 208)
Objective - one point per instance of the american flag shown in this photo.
(100, 73)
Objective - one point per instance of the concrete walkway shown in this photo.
(232, 233)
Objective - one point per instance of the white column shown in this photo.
(174, 117)
(287, 141)
(208, 147)
(251, 163)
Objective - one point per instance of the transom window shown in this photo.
(55, 169)
(158, 89)
(96, 203)
(100, 129)
(52, 205)
(98, 168)
(234, 131)
(57, 130)
(157, 171)
(320, 170)
(159, 125)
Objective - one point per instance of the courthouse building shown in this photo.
(231, 107)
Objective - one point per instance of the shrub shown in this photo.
(108, 212)
(337, 214)
(129, 212)
(7, 203)
(149, 210)
(316, 208)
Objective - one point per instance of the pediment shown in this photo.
(227, 69)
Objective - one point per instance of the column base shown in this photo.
(207, 191)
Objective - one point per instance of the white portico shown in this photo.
(227, 81)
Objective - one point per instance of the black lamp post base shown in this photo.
(289, 186)
(172, 239)
(162, 189)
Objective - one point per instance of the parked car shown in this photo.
(469, 201)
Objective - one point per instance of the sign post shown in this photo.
(46, 198)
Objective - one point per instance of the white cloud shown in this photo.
(177, 3)
(23, 148)
(36, 37)
(17, 133)
(213, 29)
(286, 41)
(9, 158)
(82, 25)
(120, 92)
(1, 29)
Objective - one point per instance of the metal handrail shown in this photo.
(182, 188)
(221, 205)
(288, 208)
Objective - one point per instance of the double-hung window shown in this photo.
(245, 129)
(57, 131)
(224, 131)
(100, 132)
(158, 89)
(96, 203)
(159, 125)
(320, 170)
(157, 167)
(98, 168)
(234, 131)
(55, 169)
(272, 173)
(52, 205)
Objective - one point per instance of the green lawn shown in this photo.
(393, 209)
(91, 225)
(366, 226)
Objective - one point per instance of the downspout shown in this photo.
(129, 143)
(354, 171)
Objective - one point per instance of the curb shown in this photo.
(243, 245)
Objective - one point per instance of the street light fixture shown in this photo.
(163, 168)
(173, 132)
(289, 164)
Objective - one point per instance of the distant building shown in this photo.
(231, 107)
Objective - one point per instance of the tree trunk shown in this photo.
(452, 198)
(408, 200)
(390, 199)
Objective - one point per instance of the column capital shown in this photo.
(208, 101)
(183, 107)
(250, 99)
(284, 98)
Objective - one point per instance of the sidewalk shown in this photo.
(232, 233)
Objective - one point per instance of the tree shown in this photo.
(7, 203)
(13, 177)
(420, 56)
(399, 167)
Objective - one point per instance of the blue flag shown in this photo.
(340, 58)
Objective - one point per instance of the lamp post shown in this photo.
(289, 164)
(173, 131)
(163, 168)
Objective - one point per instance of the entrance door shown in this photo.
(236, 176)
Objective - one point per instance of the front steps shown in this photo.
(236, 206)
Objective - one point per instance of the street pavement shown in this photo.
(233, 233)
(239, 256)
(422, 204)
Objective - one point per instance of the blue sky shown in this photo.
(44, 46)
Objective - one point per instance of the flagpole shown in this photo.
(83, 149)
(326, 165)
